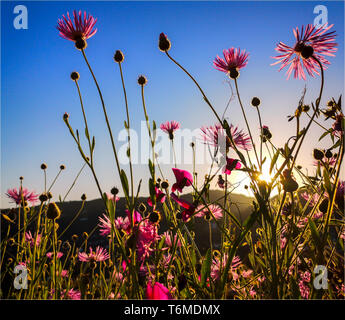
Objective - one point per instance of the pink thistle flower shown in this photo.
(50, 255)
(233, 59)
(170, 127)
(100, 254)
(204, 211)
(183, 179)
(157, 292)
(246, 273)
(216, 136)
(81, 29)
(16, 196)
(71, 294)
(322, 43)
(160, 197)
(105, 224)
(231, 164)
(31, 240)
(136, 216)
(169, 241)
(147, 236)
(218, 266)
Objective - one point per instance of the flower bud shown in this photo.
(255, 102)
(53, 211)
(114, 191)
(80, 44)
(318, 154)
(118, 56)
(164, 43)
(75, 76)
(43, 166)
(62, 167)
(65, 116)
(154, 217)
(165, 184)
(142, 80)
(83, 197)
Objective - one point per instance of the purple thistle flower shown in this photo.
(16, 196)
(81, 27)
(233, 59)
(100, 254)
(322, 43)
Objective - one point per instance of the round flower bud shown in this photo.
(118, 56)
(65, 116)
(255, 102)
(43, 197)
(328, 154)
(75, 76)
(164, 43)
(83, 197)
(62, 167)
(318, 154)
(21, 178)
(114, 191)
(142, 80)
(43, 166)
(307, 52)
(74, 237)
(233, 73)
(80, 44)
(305, 108)
(53, 211)
(155, 217)
(165, 184)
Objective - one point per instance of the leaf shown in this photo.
(87, 133)
(324, 135)
(315, 234)
(152, 191)
(124, 182)
(274, 160)
(151, 168)
(206, 267)
(327, 181)
(93, 144)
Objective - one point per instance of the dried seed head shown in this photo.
(83, 197)
(328, 154)
(62, 167)
(118, 56)
(50, 195)
(75, 76)
(21, 178)
(53, 211)
(65, 116)
(43, 166)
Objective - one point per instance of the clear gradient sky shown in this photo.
(36, 89)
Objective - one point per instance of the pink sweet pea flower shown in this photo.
(157, 292)
(189, 207)
(231, 164)
(183, 179)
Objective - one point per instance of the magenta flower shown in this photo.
(204, 211)
(233, 59)
(189, 207)
(183, 179)
(105, 224)
(81, 27)
(160, 197)
(112, 197)
(171, 242)
(31, 240)
(71, 294)
(322, 44)
(216, 136)
(50, 255)
(146, 238)
(157, 292)
(100, 254)
(218, 266)
(170, 128)
(231, 164)
(16, 196)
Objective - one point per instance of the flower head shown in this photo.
(183, 179)
(16, 196)
(216, 136)
(231, 164)
(310, 42)
(31, 240)
(160, 197)
(204, 211)
(189, 207)
(50, 255)
(157, 292)
(233, 60)
(80, 27)
(170, 127)
(100, 254)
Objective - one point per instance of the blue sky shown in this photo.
(36, 89)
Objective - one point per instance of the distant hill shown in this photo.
(93, 209)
